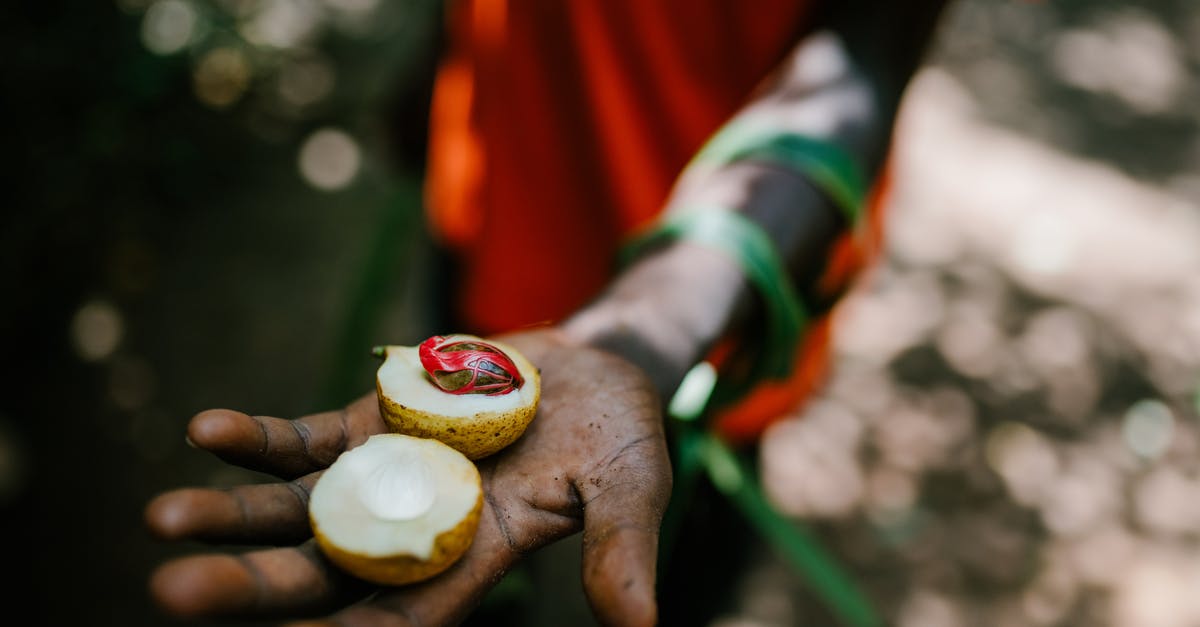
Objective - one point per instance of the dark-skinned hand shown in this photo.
(593, 459)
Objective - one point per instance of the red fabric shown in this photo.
(558, 128)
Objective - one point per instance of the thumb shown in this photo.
(623, 510)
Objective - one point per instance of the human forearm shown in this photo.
(840, 87)
(670, 307)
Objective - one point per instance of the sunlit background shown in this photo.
(211, 204)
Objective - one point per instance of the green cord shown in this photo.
(795, 544)
(697, 451)
(745, 241)
(827, 165)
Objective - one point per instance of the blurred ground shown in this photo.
(1010, 437)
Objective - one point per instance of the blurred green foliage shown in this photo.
(166, 188)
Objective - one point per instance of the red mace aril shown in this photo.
(476, 395)
(468, 367)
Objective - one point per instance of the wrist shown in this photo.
(665, 312)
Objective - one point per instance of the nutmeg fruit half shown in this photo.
(475, 395)
(396, 509)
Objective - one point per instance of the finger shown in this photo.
(623, 509)
(450, 597)
(275, 513)
(285, 448)
(272, 583)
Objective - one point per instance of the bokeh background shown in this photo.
(215, 203)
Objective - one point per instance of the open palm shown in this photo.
(594, 458)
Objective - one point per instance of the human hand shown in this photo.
(594, 458)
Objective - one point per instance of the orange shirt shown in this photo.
(559, 126)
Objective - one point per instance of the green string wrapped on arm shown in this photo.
(694, 448)
(829, 167)
(749, 246)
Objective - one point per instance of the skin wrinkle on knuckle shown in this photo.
(242, 507)
(301, 492)
(261, 589)
(265, 449)
(344, 427)
(304, 434)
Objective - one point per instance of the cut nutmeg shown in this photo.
(396, 509)
(475, 395)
